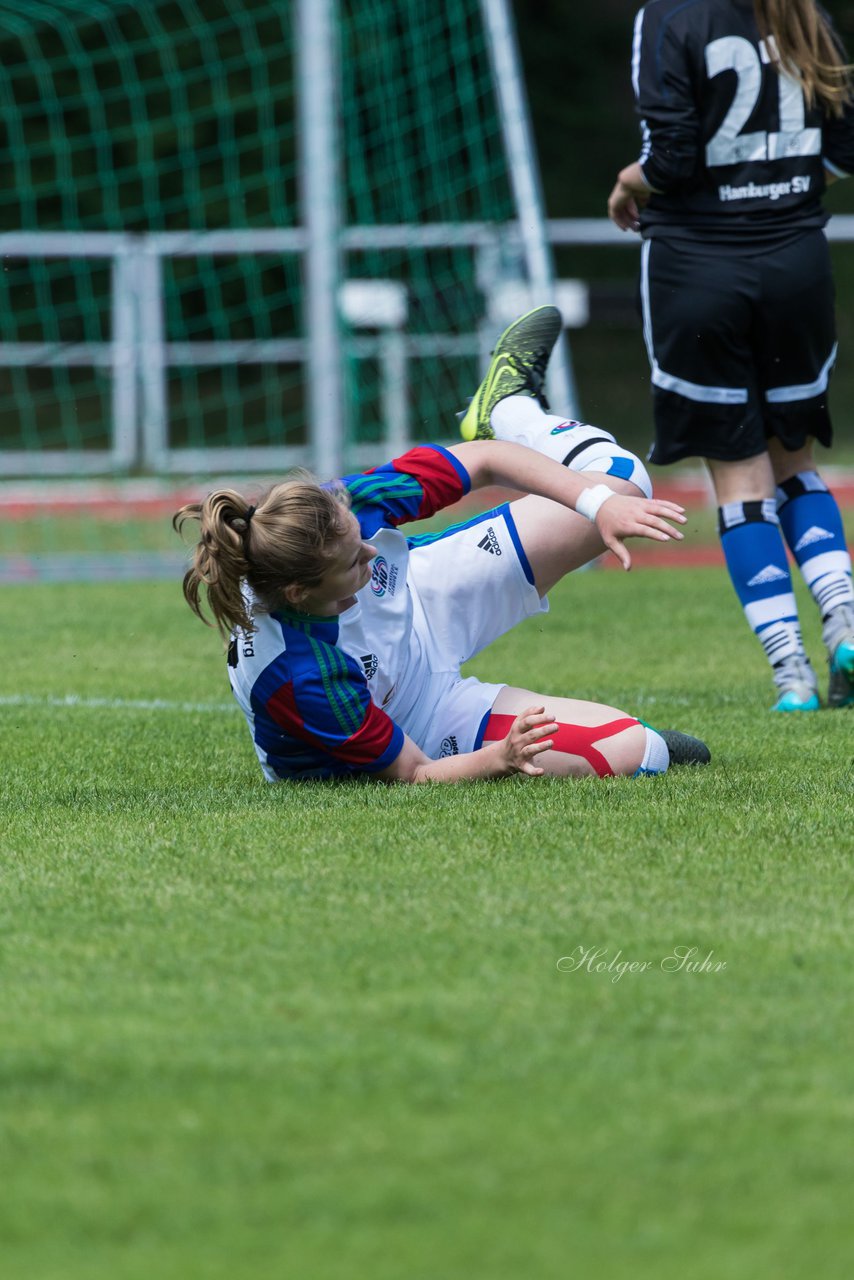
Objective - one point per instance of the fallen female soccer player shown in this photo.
(347, 637)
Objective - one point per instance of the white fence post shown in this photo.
(152, 356)
(319, 163)
(124, 360)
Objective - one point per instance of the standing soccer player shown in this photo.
(746, 114)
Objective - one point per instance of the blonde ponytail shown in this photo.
(288, 539)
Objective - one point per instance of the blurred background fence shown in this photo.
(242, 236)
(236, 237)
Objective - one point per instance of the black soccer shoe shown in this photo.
(684, 749)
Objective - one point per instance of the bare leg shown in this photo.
(747, 480)
(787, 464)
(623, 751)
(557, 540)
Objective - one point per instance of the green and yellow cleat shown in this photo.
(518, 368)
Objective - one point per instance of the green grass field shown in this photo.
(321, 1031)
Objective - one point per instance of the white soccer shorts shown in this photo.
(470, 584)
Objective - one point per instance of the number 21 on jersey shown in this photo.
(730, 145)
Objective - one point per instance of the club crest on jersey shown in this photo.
(490, 542)
(383, 577)
(371, 663)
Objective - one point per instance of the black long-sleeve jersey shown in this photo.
(728, 141)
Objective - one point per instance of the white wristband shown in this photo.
(588, 503)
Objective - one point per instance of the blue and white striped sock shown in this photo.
(812, 526)
(756, 558)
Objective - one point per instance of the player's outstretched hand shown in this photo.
(528, 737)
(625, 517)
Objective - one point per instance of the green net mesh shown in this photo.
(181, 116)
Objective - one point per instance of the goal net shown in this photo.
(153, 310)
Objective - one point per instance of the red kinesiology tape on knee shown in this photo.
(571, 739)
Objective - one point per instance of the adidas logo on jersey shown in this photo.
(815, 534)
(490, 543)
(371, 663)
(769, 574)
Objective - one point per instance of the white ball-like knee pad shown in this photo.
(589, 448)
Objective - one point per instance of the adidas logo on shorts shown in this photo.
(490, 543)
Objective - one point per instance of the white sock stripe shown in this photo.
(781, 640)
(775, 609)
(784, 647)
(812, 481)
(656, 757)
(835, 592)
(837, 562)
(732, 513)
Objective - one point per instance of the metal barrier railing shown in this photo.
(139, 353)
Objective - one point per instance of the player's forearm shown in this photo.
(412, 765)
(633, 178)
(487, 762)
(497, 462)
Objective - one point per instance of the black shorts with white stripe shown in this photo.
(741, 344)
